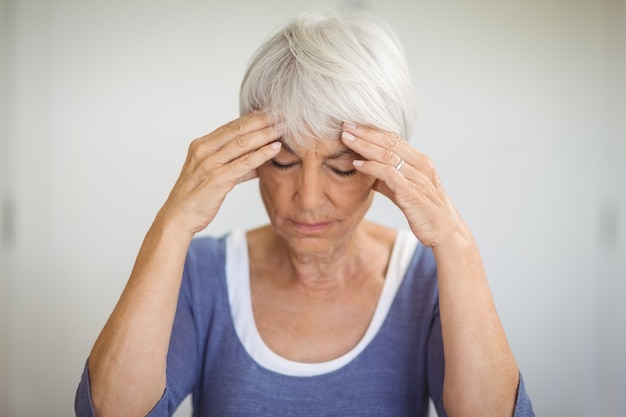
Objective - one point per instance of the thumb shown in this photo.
(249, 176)
(382, 188)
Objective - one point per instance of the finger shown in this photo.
(390, 176)
(379, 137)
(249, 176)
(219, 149)
(241, 126)
(241, 145)
(244, 168)
(370, 145)
(381, 187)
(370, 151)
(385, 140)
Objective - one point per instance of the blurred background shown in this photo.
(522, 107)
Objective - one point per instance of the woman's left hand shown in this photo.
(478, 359)
(409, 179)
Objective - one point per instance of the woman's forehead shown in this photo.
(323, 149)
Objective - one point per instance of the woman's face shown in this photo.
(314, 197)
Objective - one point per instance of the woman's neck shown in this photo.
(361, 254)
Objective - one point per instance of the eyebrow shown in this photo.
(332, 156)
(340, 153)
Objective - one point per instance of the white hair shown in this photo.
(325, 69)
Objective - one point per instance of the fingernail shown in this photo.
(357, 163)
(349, 125)
(348, 136)
(275, 145)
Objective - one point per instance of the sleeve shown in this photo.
(436, 366)
(523, 406)
(84, 408)
(182, 358)
(82, 401)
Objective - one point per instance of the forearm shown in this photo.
(127, 363)
(481, 375)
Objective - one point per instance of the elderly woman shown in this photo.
(319, 313)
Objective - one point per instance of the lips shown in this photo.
(310, 228)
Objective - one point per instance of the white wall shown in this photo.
(4, 281)
(620, 287)
(520, 109)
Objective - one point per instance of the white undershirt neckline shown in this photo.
(238, 284)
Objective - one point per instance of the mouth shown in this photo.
(310, 228)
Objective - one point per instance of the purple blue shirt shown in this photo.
(394, 375)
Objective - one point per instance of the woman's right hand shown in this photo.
(215, 164)
(132, 348)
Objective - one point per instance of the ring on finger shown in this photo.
(400, 165)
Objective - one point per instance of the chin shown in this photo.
(307, 245)
(314, 243)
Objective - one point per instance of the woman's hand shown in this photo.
(215, 164)
(131, 350)
(481, 375)
(409, 179)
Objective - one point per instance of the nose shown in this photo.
(311, 188)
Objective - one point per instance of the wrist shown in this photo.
(458, 238)
(172, 227)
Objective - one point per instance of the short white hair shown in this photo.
(325, 69)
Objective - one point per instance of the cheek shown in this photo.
(264, 175)
(356, 193)
(273, 187)
(268, 177)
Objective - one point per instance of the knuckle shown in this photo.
(235, 127)
(194, 152)
(388, 155)
(247, 159)
(390, 140)
(240, 142)
(429, 166)
(193, 146)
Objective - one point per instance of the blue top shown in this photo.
(394, 374)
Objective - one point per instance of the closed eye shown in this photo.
(283, 167)
(344, 173)
(280, 166)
